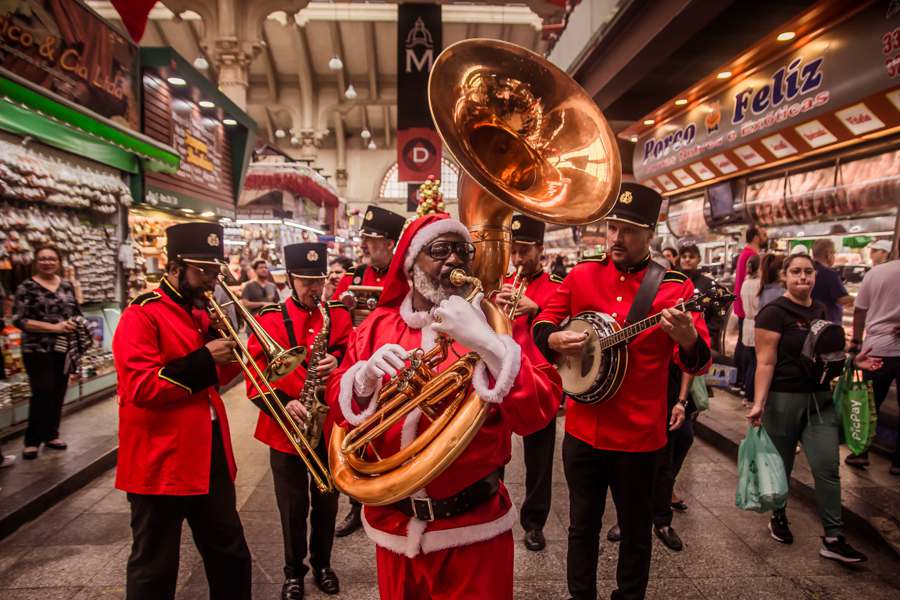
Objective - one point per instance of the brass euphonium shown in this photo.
(528, 138)
(279, 362)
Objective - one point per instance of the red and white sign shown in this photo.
(420, 154)
(650, 184)
(702, 171)
(750, 156)
(667, 183)
(778, 146)
(683, 176)
(721, 162)
(815, 134)
(859, 119)
(894, 97)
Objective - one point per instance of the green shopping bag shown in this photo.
(762, 481)
(699, 393)
(855, 402)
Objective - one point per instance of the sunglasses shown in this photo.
(443, 250)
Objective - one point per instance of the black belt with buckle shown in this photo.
(427, 509)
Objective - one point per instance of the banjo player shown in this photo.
(614, 444)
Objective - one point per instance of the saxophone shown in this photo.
(316, 411)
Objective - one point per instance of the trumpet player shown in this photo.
(301, 321)
(524, 292)
(175, 459)
(452, 538)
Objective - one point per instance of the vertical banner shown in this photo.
(418, 45)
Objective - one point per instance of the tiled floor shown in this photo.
(78, 549)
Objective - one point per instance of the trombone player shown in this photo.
(452, 538)
(175, 459)
(298, 321)
(535, 287)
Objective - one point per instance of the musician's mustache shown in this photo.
(619, 248)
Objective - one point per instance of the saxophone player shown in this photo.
(324, 330)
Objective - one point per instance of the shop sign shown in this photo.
(63, 46)
(198, 140)
(841, 85)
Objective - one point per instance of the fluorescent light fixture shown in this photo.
(681, 102)
(235, 243)
(229, 122)
(280, 133)
(786, 36)
(649, 121)
(201, 63)
(633, 138)
(296, 225)
(351, 92)
(365, 133)
(259, 221)
(176, 80)
(371, 145)
(207, 104)
(188, 211)
(208, 214)
(724, 75)
(335, 64)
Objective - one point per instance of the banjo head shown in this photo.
(583, 374)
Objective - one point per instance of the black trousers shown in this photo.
(295, 491)
(629, 475)
(669, 465)
(156, 520)
(48, 382)
(881, 384)
(539, 447)
(739, 351)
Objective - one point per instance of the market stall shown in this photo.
(70, 150)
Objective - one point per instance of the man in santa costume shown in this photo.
(455, 539)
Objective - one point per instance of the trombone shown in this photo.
(280, 362)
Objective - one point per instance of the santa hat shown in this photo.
(416, 236)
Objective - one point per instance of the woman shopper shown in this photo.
(771, 284)
(45, 310)
(750, 302)
(794, 405)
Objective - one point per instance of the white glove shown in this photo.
(387, 360)
(466, 323)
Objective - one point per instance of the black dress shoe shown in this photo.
(534, 540)
(668, 537)
(327, 581)
(29, 454)
(614, 534)
(60, 445)
(292, 589)
(679, 505)
(351, 523)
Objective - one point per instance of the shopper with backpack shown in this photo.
(798, 352)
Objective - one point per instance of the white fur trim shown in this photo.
(433, 541)
(430, 232)
(416, 319)
(504, 380)
(345, 398)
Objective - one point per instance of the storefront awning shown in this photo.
(30, 111)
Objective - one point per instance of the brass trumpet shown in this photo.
(280, 362)
(518, 285)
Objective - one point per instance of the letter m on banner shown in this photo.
(418, 44)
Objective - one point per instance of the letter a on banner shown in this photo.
(418, 45)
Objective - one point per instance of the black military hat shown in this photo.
(309, 259)
(527, 230)
(637, 205)
(380, 222)
(197, 242)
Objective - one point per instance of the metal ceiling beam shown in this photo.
(161, 34)
(372, 65)
(271, 69)
(388, 127)
(505, 32)
(337, 49)
(306, 79)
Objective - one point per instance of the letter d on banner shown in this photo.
(418, 44)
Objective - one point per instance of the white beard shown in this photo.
(432, 291)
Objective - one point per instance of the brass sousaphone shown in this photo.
(530, 139)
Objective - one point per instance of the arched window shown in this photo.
(392, 190)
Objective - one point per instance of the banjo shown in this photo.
(597, 373)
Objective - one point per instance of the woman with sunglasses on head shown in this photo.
(794, 405)
(45, 308)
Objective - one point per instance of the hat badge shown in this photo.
(312, 256)
(626, 197)
(213, 240)
(516, 225)
(370, 215)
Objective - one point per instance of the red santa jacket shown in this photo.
(634, 420)
(361, 275)
(539, 289)
(306, 324)
(167, 383)
(523, 400)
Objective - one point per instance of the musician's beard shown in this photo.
(196, 296)
(432, 291)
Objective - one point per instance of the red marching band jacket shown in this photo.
(522, 400)
(634, 420)
(167, 383)
(369, 277)
(306, 324)
(539, 288)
